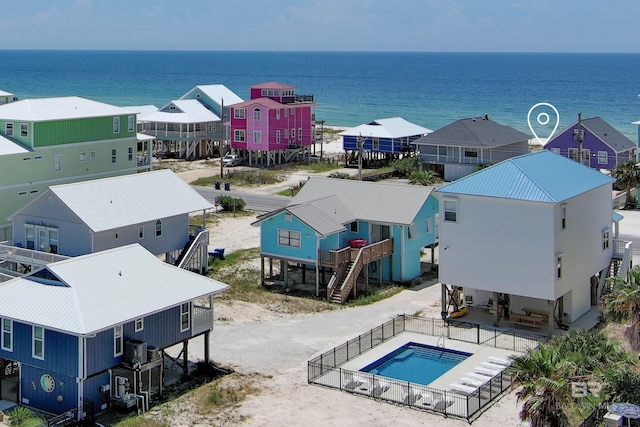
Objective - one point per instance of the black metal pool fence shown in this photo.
(326, 369)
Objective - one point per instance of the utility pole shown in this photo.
(578, 135)
(360, 141)
(223, 135)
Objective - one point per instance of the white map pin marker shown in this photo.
(543, 119)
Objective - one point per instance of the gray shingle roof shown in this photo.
(368, 201)
(607, 133)
(478, 132)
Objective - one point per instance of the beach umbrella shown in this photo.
(627, 410)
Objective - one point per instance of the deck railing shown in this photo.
(326, 369)
(29, 257)
(196, 257)
(202, 319)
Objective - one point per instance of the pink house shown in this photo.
(274, 125)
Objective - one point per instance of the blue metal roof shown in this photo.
(539, 177)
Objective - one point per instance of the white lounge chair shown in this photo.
(464, 389)
(379, 387)
(471, 381)
(486, 371)
(478, 377)
(499, 361)
(442, 404)
(352, 382)
(412, 397)
(493, 366)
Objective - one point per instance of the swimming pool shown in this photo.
(417, 363)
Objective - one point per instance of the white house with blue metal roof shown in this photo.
(533, 232)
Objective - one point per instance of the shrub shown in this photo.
(339, 175)
(20, 415)
(404, 167)
(231, 204)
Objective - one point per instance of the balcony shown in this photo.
(202, 319)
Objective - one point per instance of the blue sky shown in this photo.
(323, 25)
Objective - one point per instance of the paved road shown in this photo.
(255, 202)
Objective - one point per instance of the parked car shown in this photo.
(231, 160)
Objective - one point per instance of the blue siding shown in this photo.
(161, 330)
(63, 397)
(385, 145)
(91, 389)
(60, 350)
(269, 238)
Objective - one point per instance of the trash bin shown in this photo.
(217, 185)
(227, 186)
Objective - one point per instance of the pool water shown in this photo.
(417, 363)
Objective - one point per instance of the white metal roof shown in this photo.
(218, 93)
(394, 127)
(187, 111)
(105, 204)
(369, 201)
(68, 107)
(142, 109)
(7, 146)
(101, 290)
(5, 94)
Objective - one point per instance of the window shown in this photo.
(8, 129)
(37, 347)
(559, 266)
(158, 228)
(131, 123)
(277, 137)
(376, 143)
(563, 221)
(300, 134)
(92, 155)
(117, 341)
(286, 112)
(605, 239)
(289, 238)
(278, 114)
(239, 113)
(451, 210)
(130, 154)
(185, 317)
(573, 154)
(293, 111)
(430, 224)
(412, 231)
(83, 156)
(586, 157)
(37, 157)
(353, 227)
(239, 136)
(286, 134)
(288, 217)
(293, 133)
(257, 136)
(139, 324)
(53, 240)
(24, 130)
(7, 334)
(257, 114)
(603, 157)
(30, 237)
(26, 159)
(114, 155)
(57, 163)
(141, 232)
(116, 125)
(555, 150)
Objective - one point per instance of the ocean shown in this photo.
(429, 89)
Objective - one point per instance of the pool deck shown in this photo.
(479, 354)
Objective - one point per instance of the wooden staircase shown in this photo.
(344, 278)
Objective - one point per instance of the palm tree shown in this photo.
(627, 177)
(623, 305)
(546, 391)
(427, 177)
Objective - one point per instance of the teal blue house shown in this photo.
(350, 228)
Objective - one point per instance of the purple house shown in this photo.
(603, 146)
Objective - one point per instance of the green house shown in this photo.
(49, 141)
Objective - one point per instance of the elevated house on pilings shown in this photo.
(151, 209)
(382, 140)
(275, 126)
(192, 126)
(343, 229)
(529, 240)
(88, 333)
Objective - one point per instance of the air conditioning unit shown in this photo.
(135, 351)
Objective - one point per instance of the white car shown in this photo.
(231, 160)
